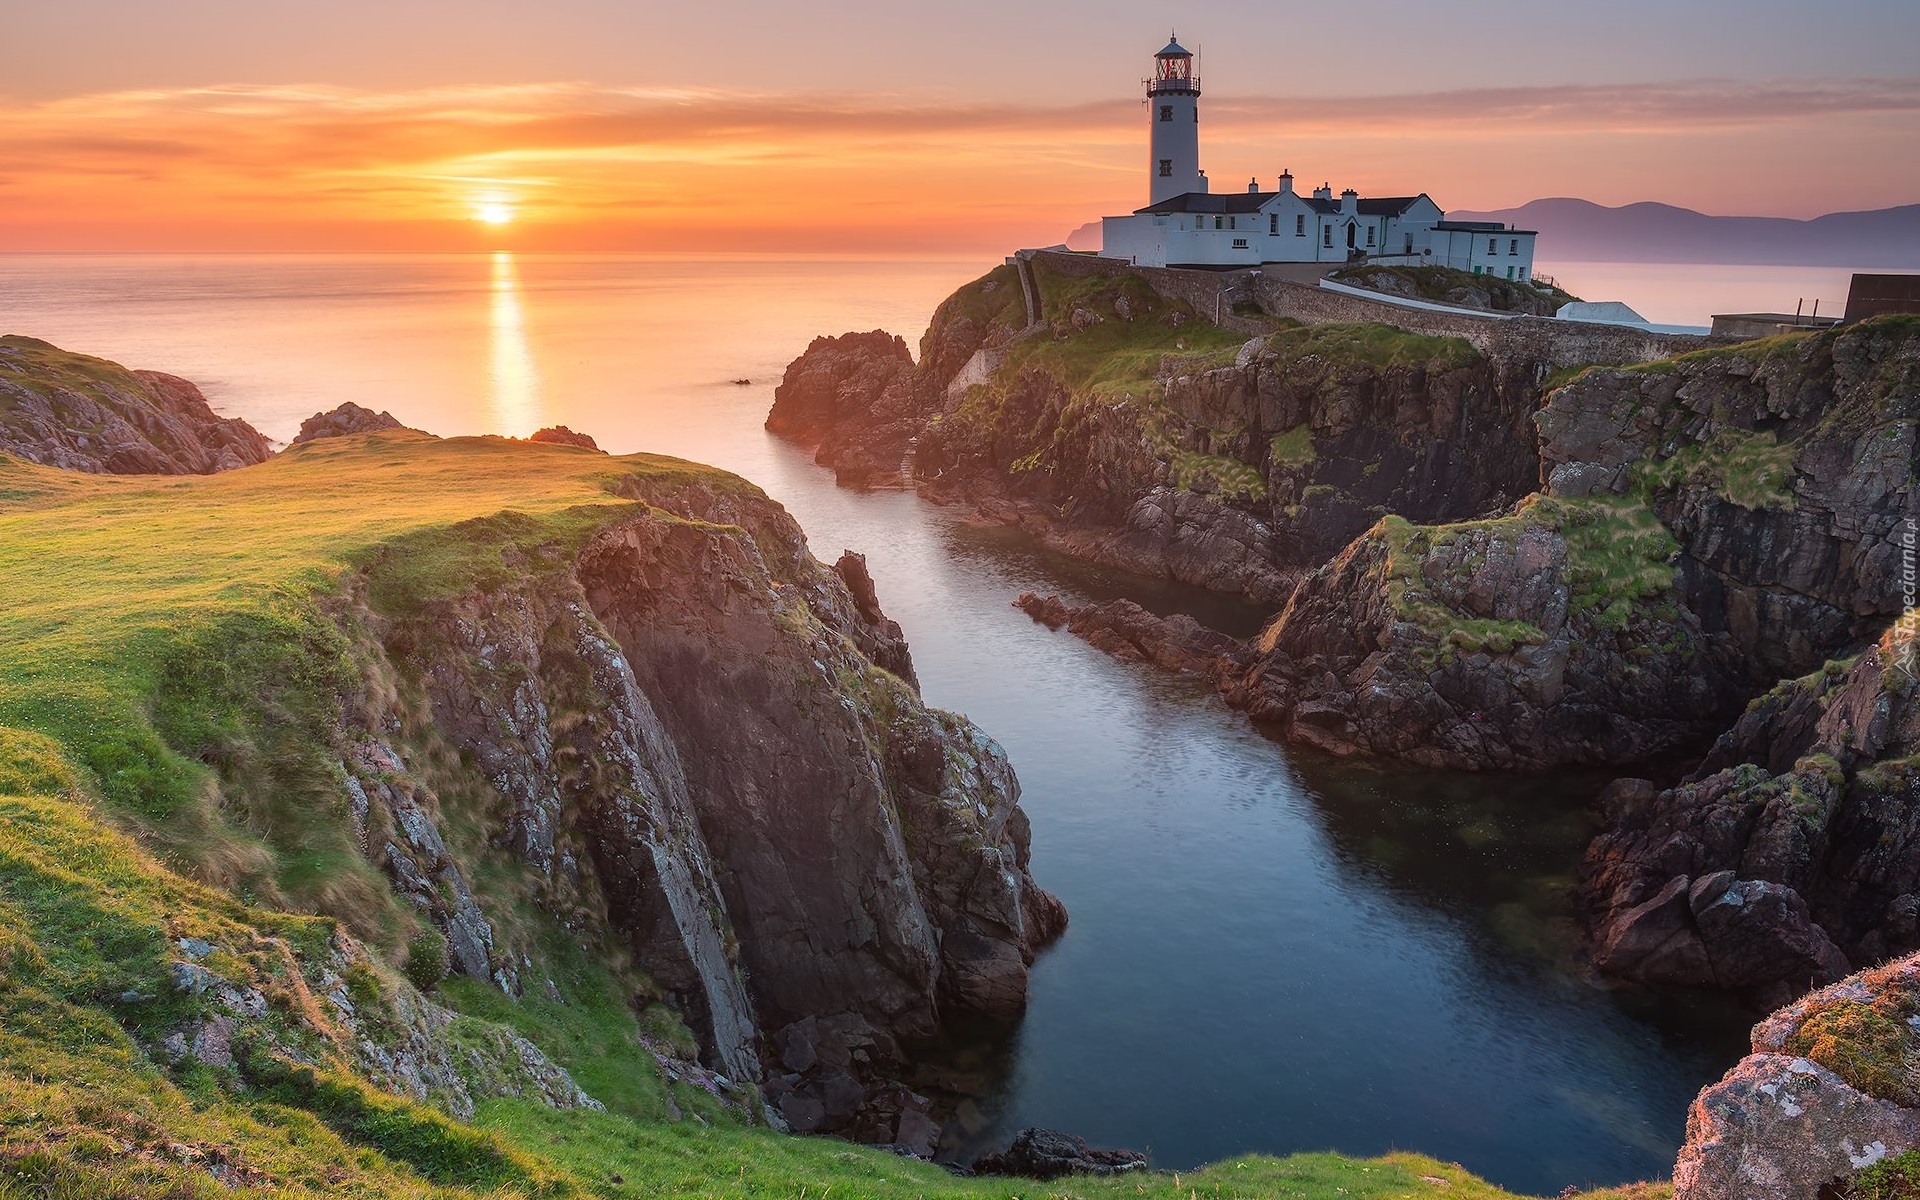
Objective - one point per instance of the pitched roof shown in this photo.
(1385, 206)
(1245, 202)
(1210, 202)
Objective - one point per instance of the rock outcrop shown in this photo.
(1049, 1154)
(1706, 526)
(87, 414)
(1793, 850)
(713, 743)
(1832, 1087)
(343, 421)
(1127, 430)
(560, 435)
(1131, 633)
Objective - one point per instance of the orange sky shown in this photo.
(594, 166)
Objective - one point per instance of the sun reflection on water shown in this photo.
(516, 385)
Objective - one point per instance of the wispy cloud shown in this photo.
(696, 159)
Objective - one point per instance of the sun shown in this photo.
(493, 213)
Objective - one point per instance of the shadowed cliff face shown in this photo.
(1706, 526)
(87, 414)
(1793, 851)
(692, 740)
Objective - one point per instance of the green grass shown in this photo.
(1896, 1178)
(1371, 344)
(1752, 470)
(1294, 448)
(168, 632)
(1618, 558)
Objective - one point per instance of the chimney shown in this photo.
(1204, 185)
(1350, 203)
(1323, 192)
(1286, 183)
(1253, 185)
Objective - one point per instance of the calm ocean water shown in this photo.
(1268, 951)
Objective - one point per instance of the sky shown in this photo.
(756, 125)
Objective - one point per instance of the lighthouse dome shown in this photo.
(1174, 50)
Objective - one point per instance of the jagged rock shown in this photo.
(1049, 1154)
(348, 419)
(1830, 1088)
(691, 689)
(560, 435)
(86, 414)
(1811, 802)
(1747, 527)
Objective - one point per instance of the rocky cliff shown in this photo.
(1705, 526)
(87, 414)
(1127, 429)
(1791, 853)
(574, 706)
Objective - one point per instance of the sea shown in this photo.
(1270, 950)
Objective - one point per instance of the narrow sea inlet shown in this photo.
(1268, 951)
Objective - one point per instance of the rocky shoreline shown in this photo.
(1476, 564)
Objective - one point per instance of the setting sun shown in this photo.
(494, 213)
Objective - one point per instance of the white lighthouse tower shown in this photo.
(1173, 107)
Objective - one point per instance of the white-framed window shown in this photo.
(1299, 224)
(1513, 246)
(1326, 236)
(1369, 235)
(1493, 245)
(1273, 224)
(1239, 243)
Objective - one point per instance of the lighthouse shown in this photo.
(1173, 107)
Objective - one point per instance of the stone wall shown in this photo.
(1536, 339)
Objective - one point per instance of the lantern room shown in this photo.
(1173, 71)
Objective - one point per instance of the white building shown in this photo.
(1186, 225)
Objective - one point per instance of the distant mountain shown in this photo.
(1580, 230)
(1087, 237)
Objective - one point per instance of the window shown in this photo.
(1273, 224)
(1326, 236)
(1409, 243)
(1166, 112)
(1233, 222)
(1369, 235)
(1493, 245)
(1513, 246)
(1219, 222)
(1239, 243)
(1299, 224)
(1166, 168)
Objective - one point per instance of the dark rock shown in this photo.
(1800, 834)
(1049, 1154)
(560, 435)
(1128, 631)
(344, 421)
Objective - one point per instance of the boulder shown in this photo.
(1049, 1154)
(344, 421)
(560, 435)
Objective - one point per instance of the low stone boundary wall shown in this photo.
(1499, 335)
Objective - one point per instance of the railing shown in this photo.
(1156, 86)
